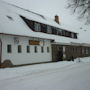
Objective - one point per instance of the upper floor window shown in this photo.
(54, 31)
(43, 28)
(59, 32)
(63, 33)
(37, 27)
(49, 29)
(40, 27)
(29, 23)
(72, 35)
(75, 35)
(68, 34)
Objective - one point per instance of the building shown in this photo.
(27, 37)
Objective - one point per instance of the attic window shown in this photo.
(9, 17)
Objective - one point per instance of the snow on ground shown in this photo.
(65, 75)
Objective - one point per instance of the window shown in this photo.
(9, 48)
(83, 50)
(68, 34)
(59, 32)
(42, 49)
(35, 49)
(19, 49)
(49, 30)
(75, 35)
(28, 49)
(63, 33)
(48, 49)
(44, 28)
(87, 51)
(37, 27)
(29, 23)
(54, 31)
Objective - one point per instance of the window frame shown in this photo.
(48, 49)
(19, 49)
(9, 48)
(28, 49)
(42, 49)
(35, 49)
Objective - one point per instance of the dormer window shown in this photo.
(54, 31)
(49, 30)
(75, 35)
(44, 28)
(63, 33)
(37, 27)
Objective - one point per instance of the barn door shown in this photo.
(0, 51)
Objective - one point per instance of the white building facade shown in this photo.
(18, 50)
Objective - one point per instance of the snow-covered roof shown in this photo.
(11, 23)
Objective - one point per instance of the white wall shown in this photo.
(24, 57)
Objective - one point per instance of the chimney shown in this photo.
(57, 19)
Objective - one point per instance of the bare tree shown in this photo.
(82, 7)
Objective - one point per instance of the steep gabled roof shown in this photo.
(11, 23)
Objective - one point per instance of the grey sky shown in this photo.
(50, 8)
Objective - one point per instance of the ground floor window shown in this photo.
(28, 49)
(9, 48)
(42, 49)
(35, 49)
(48, 49)
(19, 49)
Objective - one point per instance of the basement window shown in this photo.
(9, 48)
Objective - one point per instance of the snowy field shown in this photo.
(52, 76)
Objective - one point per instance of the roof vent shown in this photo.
(9, 17)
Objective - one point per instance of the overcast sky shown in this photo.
(50, 8)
